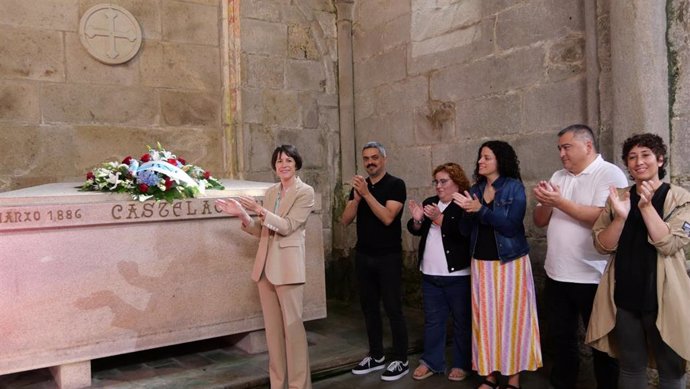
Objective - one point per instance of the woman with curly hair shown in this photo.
(641, 309)
(505, 331)
(444, 260)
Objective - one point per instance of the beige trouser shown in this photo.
(288, 355)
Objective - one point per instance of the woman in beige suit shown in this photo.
(279, 266)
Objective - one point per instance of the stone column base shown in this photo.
(73, 375)
(253, 342)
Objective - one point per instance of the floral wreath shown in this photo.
(158, 174)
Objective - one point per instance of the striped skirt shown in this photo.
(505, 331)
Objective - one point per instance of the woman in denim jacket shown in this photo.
(505, 331)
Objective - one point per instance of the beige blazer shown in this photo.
(673, 283)
(281, 236)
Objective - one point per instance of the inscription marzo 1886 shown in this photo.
(24, 216)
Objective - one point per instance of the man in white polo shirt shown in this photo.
(569, 203)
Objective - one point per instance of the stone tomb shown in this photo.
(85, 275)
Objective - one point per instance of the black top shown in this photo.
(635, 269)
(456, 246)
(374, 237)
(486, 241)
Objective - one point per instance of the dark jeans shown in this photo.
(379, 279)
(566, 304)
(637, 336)
(444, 295)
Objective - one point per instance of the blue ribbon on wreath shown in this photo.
(169, 170)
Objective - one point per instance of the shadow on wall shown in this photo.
(341, 283)
(341, 279)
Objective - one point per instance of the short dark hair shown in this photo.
(651, 141)
(507, 161)
(375, 145)
(580, 131)
(455, 173)
(290, 151)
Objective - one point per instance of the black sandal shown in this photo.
(509, 386)
(492, 385)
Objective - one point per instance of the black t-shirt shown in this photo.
(636, 258)
(374, 237)
(485, 248)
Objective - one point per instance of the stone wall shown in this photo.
(220, 82)
(434, 79)
(679, 93)
(288, 91)
(62, 111)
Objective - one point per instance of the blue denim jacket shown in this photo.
(506, 217)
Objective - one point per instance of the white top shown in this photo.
(434, 261)
(570, 254)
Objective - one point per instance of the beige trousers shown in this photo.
(288, 355)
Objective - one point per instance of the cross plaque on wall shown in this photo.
(110, 33)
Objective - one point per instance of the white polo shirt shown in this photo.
(570, 253)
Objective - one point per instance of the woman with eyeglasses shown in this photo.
(505, 331)
(444, 260)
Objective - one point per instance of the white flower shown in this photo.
(141, 197)
(114, 179)
(101, 172)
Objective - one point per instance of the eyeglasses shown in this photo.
(442, 181)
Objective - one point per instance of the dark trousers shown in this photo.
(566, 304)
(379, 279)
(637, 336)
(444, 296)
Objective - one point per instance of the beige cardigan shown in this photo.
(673, 283)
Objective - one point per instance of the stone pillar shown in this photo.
(348, 152)
(639, 69)
(592, 65)
(233, 141)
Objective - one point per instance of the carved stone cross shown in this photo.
(110, 33)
